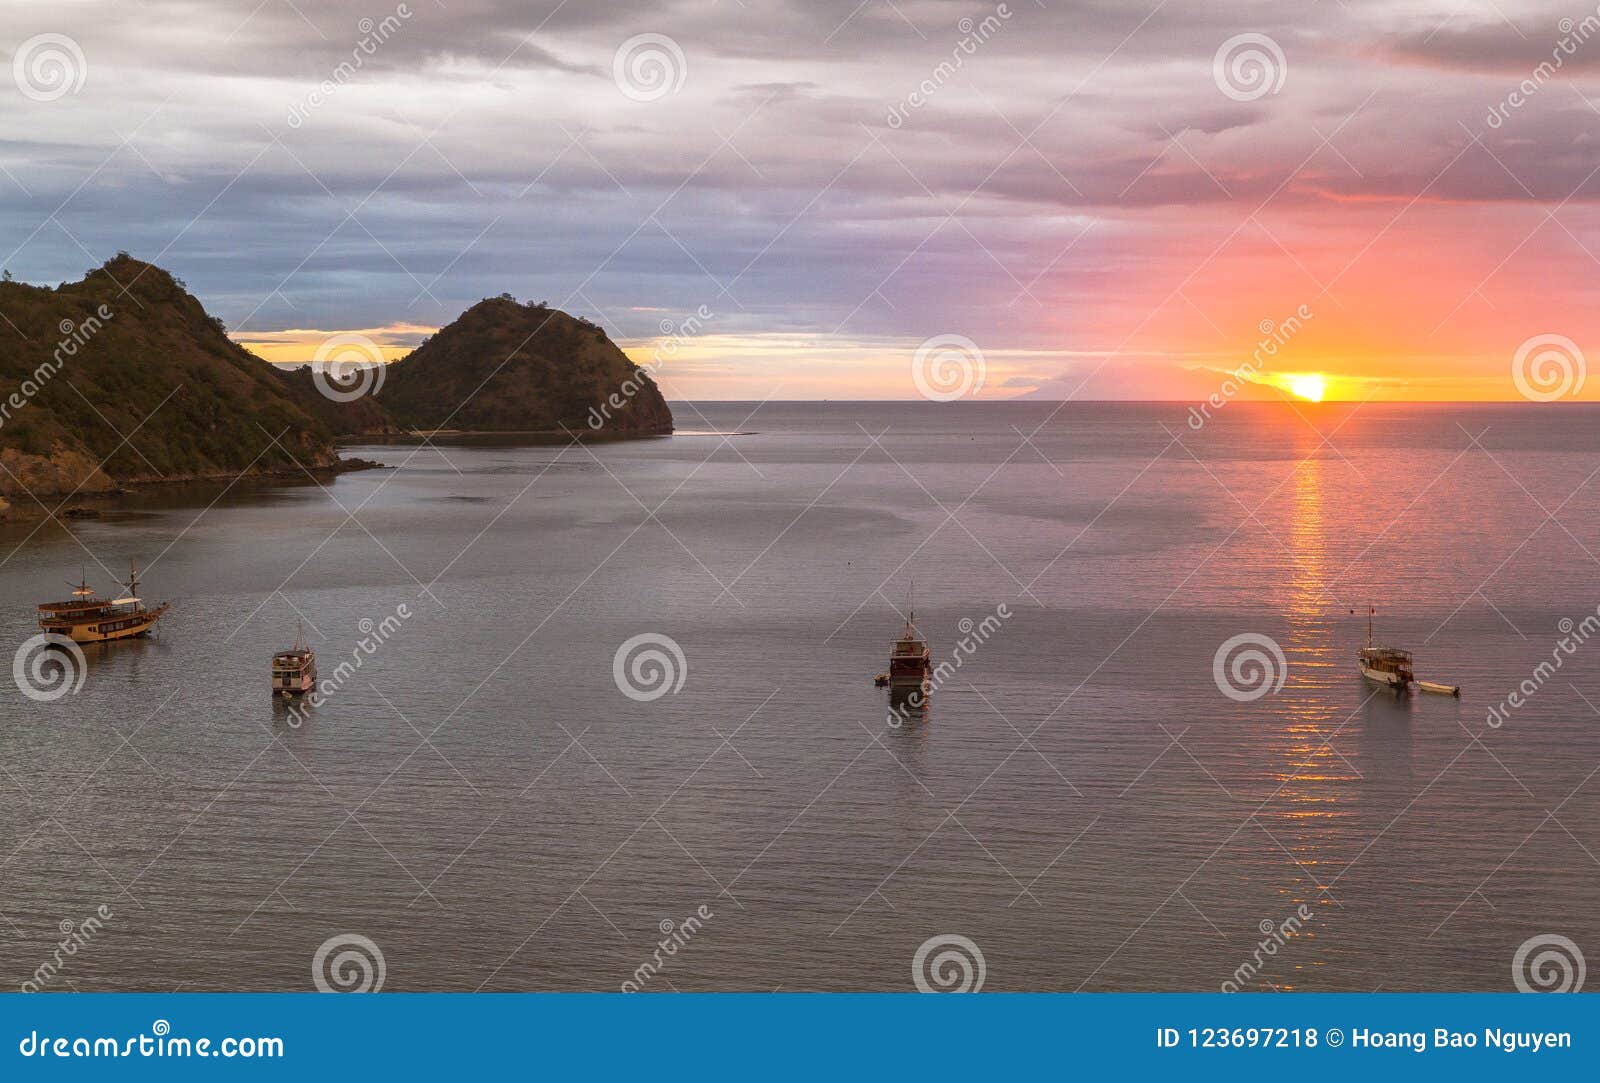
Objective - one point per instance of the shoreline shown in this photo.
(542, 436)
(30, 507)
(90, 505)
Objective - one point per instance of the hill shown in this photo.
(509, 367)
(123, 378)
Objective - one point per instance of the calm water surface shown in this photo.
(480, 799)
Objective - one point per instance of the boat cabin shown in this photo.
(909, 659)
(294, 672)
(87, 618)
(1387, 663)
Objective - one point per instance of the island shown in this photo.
(123, 379)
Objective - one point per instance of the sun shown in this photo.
(1310, 387)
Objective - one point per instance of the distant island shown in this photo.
(123, 379)
(509, 367)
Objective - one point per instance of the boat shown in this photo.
(294, 671)
(88, 618)
(909, 659)
(1386, 665)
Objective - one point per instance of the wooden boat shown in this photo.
(294, 671)
(1386, 665)
(909, 659)
(90, 619)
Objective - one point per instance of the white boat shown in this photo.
(294, 671)
(1386, 665)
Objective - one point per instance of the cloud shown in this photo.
(1077, 186)
(1503, 48)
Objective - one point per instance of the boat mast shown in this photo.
(1370, 610)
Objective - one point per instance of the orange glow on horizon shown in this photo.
(300, 345)
(1310, 386)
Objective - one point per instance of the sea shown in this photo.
(603, 716)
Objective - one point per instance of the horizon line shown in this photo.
(1025, 401)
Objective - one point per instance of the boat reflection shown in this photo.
(1384, 739)
(908, 709)
(123, 657)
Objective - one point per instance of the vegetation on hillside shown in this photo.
(123, 378)
(509, 367)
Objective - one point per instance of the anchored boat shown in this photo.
(1392, 666)
(909, 659)
(87, 618)
(294, 671)
(1386, 665)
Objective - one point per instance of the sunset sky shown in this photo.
(1094, 195)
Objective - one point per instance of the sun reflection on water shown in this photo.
(1313, 778)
